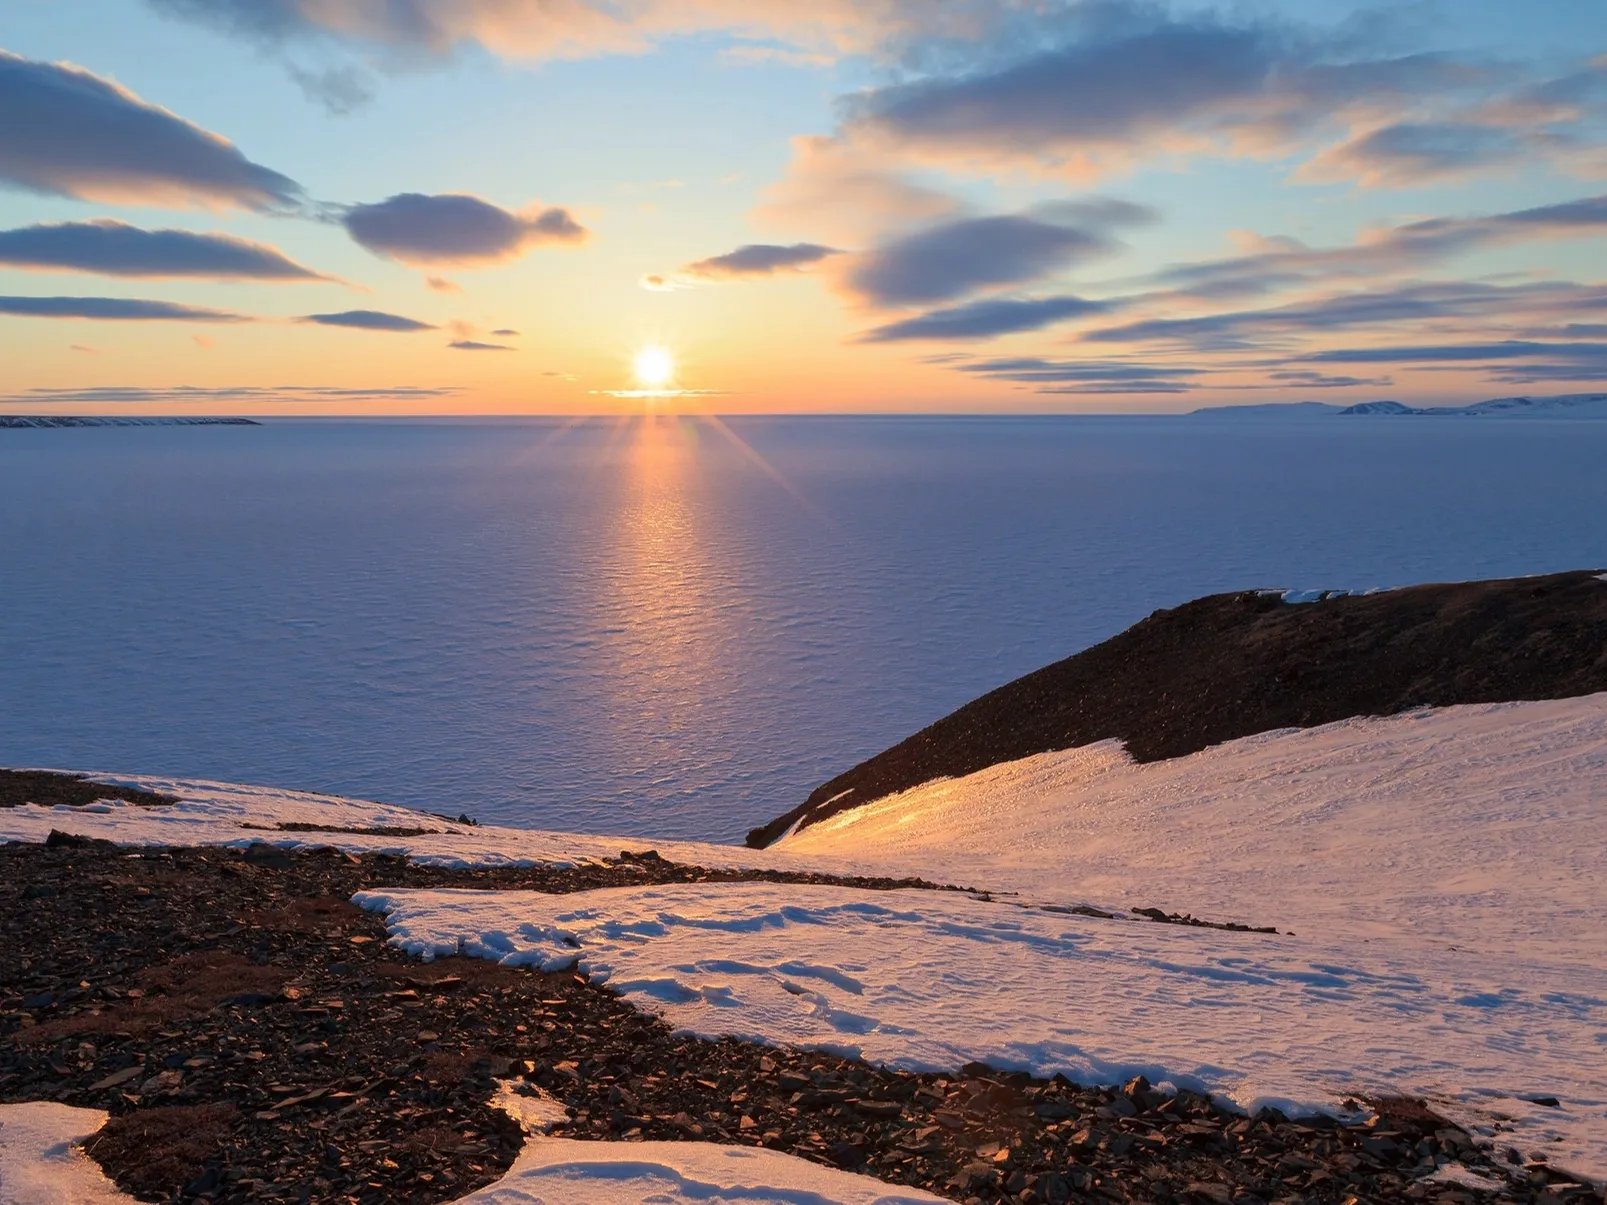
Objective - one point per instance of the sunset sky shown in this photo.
(486, 206)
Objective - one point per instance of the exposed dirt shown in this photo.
(1231, 665)
(255, 1039)
(48, 789)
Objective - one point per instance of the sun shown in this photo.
(655, 367)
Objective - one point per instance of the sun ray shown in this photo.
(750, 453)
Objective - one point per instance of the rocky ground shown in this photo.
(1231, 665)
(49, 789)
(255, 1040)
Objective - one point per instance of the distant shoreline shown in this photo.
(1568, 405)
(66, 420)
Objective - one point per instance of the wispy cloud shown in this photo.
(951, 259)
(1416, 152)
(72, 133)
(369, 320)
(1126, 81)
(986, 319)
(471, 345)
(1086, 376)
(544, 29)
(113, 248)
(1246, 329)
(455, 229)
(339, 90)
(1306, 379)
(759, 259)
(1462, 353)
(113, 309)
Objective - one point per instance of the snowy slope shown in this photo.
(1479, 826)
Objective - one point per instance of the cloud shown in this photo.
(1539, 374)
(1275, 263)
(759, 259)
(986, 319)
(369, 320)
(71, 133)
(1128, 80)
(749, 56)
(340, 90)
(454, 228)
(1463, 353)
(440, 284)
(544, 29)
(233, 393)
(947, 261)
(1241, 329)
(114, 248)
(1410, 153)
(506, 333)
(1085, 376)
(471, 345)
(1319, 380)
(113, 309)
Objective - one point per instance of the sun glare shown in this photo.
(655, 368)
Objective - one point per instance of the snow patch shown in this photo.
(1466, 1177)
(1295, 596)
(535, 1111)
(42, 1161)
(927, 981)
(562, 1171)
(551, 1171)
(236, 816)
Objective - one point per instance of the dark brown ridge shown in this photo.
(1231, 665)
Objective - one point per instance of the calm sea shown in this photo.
(678, 627)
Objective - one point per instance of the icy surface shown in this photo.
(611, 628)
(41, 1162)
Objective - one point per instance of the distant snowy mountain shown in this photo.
(1567, 405)
(1270, 410)
(1380, 408)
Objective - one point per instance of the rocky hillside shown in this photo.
(1230, 665)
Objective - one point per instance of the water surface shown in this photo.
(678, 627)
